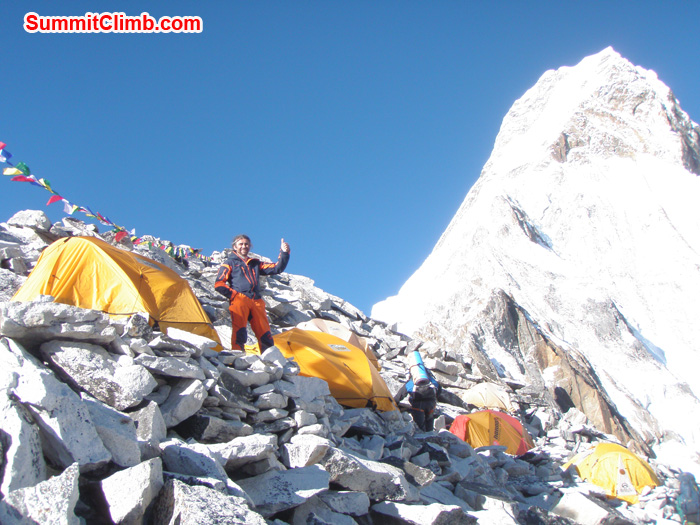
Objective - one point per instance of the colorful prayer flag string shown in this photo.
(5, 155)
(22, 173)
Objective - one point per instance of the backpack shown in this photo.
(688, 502)
(423, 393)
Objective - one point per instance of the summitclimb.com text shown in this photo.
(111, 23)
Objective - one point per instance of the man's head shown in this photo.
(241, 245)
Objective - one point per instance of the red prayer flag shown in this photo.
(54, 198)
(119, 236)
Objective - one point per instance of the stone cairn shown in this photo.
(109, 421)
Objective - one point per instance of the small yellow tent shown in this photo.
(338, 330)
(488, 395)
(90, 273)
(489, 427)
(352, 379)
(616, 469)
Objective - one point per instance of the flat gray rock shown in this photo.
(242, 450)
(316, 511)
(433, 514)
(346, 502)
(38, 321)
(170, 366)
(276, 491)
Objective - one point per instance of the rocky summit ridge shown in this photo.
(572, 264)
(107, 420)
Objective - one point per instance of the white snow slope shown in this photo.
(586, 214)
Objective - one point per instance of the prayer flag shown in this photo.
(31, 179)
(46, 185)
(68, 207)
(54, 198)
(11, 171)
(4, 154)
(21, 166)
(119, 236)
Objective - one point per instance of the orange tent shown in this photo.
(621, 472)
(90, 273)
(338, 330)
(489, 427)
(351, 378)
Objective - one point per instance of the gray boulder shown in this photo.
(304, 450)
(209, 429)
(129, 493)
(185, 399)
(24, 460)
(200, 342)
(32, 219)
(150, 429)
(67, 432)
(10, 282)
(378, 480)
(242, 450)
(182, 504)
(91, 368)
(51, 501)
(117, 431)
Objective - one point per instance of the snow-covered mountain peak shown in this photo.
(585, 221)
(604, 104)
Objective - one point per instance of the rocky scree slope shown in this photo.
(109, 421)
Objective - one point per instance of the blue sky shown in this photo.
(353, 129)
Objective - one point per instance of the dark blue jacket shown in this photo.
(238, 276)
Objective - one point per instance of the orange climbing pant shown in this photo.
(243, 309)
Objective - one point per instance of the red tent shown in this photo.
(490, 427)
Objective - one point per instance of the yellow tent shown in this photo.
(489, 427)
(90, 273)
(352, 379)
(338, 330)
(618, 470)
(488, 395)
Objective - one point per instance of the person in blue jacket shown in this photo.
(423, 400)
(238, 281)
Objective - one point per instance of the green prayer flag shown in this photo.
(23, 168)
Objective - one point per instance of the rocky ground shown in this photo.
(109, 421)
